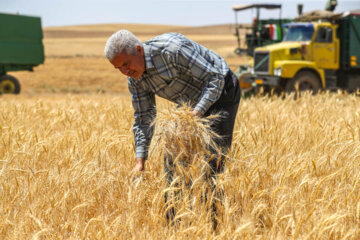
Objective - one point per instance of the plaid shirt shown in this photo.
(177, 69)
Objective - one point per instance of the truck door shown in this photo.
(325, 49)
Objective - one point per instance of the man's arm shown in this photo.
(143, 103)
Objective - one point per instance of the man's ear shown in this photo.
(140, 50)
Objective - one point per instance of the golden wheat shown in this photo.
(179, 133)
(65, 162)
(186, 140)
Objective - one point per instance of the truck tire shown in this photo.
(304, 81)
(9, 85)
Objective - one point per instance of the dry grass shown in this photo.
(65, 162)
(73, 75)
(75, 61)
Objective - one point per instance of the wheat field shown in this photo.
(67, 149)
(66, 161)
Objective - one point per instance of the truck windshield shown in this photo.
(299, 33)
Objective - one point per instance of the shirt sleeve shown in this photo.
(190, 59)
(144, 105)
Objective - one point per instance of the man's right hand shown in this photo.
(139, 165)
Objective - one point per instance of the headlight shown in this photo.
(277, 72)
(250, 70)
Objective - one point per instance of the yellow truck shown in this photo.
(312, 56)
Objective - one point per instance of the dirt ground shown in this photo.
(75, 62)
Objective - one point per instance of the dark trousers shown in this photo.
(226, 106)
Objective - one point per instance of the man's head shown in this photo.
(126, 53)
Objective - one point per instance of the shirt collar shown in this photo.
(148, 58)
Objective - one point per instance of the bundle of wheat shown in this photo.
(182, 135)
(189, 142)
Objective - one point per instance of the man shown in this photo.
(180, 70)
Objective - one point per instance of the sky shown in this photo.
(170, 12)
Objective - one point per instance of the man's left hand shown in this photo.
(196, 113)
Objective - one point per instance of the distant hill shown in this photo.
(105, 30)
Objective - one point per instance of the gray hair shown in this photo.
(120, 41)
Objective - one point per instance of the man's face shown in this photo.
(132, 65)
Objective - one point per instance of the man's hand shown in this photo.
(139, 165)
(196, 113)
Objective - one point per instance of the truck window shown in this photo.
(324, 35)
(299, 32)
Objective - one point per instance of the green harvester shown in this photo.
(21, 48)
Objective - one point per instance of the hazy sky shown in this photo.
(173, 12)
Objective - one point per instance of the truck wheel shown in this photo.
(304, 81)
(9, 84)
